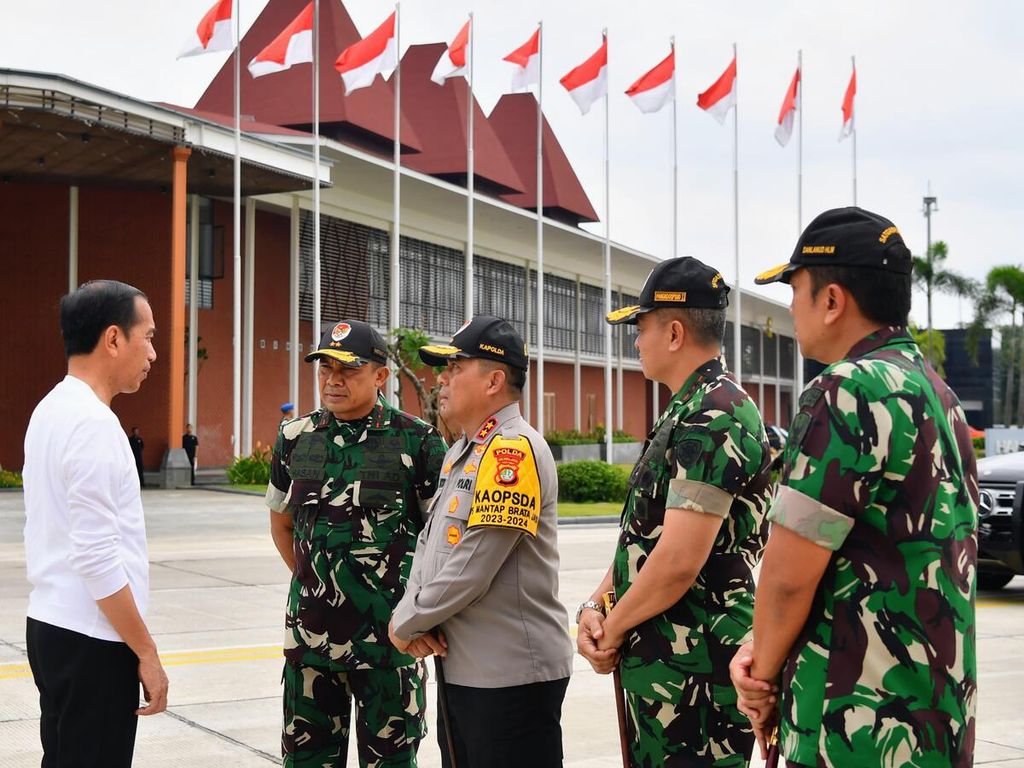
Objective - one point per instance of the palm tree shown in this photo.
(931, 276)
(1004, 292)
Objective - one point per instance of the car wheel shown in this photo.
(994, 579)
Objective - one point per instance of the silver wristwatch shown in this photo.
(592, 604)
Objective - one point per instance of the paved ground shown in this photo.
(217, 604)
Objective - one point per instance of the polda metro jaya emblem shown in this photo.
(508, 461)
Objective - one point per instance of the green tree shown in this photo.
(1003, 294)
(931, 275)
(933, 345)
(403, 350)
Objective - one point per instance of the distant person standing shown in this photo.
(287, 413)
(136, 443)
(85, 539)
(190, 442)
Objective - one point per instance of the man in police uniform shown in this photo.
(485, 575)
(865, 602)
(692, 529)
(350, 484)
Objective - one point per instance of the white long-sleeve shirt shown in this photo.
(85, 534)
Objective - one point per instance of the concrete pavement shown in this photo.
(218, 593)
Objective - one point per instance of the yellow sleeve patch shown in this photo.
(507, 492)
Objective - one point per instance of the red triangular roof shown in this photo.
(514, 121)
(438, 115)
(366, 118)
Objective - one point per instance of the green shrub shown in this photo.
(251, 470)
(591, 481)
(575, 437)
(10, 479)
(979, 446)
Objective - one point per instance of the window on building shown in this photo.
(626, 331)
(499, 289)
(432, 287)
(787, 357)
(771, 344)
(559, 312)
(592, 323)
(211, 254)
(751, 348)
(729, 346)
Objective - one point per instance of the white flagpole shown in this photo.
(236, 254)
(608, 425)
(675, 159)
(737, 327)
(317, 307)
(470, 180)
(394, 291)
(540, 229)
(853, 130)
(800, 143)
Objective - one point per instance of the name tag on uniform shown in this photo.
(308, 457)
(507, 492)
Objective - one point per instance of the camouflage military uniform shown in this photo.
(880, 470)
(675, 665)
(358, 492)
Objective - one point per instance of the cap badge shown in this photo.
(340, 331)
(887, 233)
(716, 279)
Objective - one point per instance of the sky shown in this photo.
(940, 101)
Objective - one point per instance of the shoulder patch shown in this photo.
(507, 492)
(688, 451)
(810, 397)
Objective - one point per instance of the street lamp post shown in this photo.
(931, 203)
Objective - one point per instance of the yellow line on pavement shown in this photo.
(15, 670)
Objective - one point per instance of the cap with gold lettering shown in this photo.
(845, 237)
(682, 282)
(483, 336)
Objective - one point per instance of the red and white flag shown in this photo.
(293, 46)
(214, 33)
(656, 88)
(527, 60)
(453, 61)
(589, 81)
(790, 105)
(721, 96)
(377, 53)
(851, 91)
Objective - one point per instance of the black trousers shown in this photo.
(504, 727)
(88, 694)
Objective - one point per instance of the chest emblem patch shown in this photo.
(453, 505)
(454, 535)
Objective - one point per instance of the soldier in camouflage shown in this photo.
(350, 484)
(864, 614)
(691, 531)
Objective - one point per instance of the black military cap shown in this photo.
(352, 343)
(845, 237)
(484, 336)
(682, 282)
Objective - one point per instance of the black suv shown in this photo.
(1000, 554)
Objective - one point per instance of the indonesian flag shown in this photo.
(851, 91)
(527, 60)
(721, 96)
(453, 60)
(293, 46)
(214, 33)
(377, 53)
(790, 105)
(589, 81)
(657, 88)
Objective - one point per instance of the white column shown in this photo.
(760, 372)
(655, 410)
(247, 334)
(527, 400)
(293, 305)
(618, 372)
(72, 238)
(577, 369)
(778, 383)
(193, 316)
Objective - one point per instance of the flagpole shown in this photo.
(394, 292)
(800, 143)
(853, 130)
(737, 326)
(317, 307)
(470, 179)
(609, 427)
(540, 229)
(675, 158)
(236, 251)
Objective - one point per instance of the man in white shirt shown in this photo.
(85, 538)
